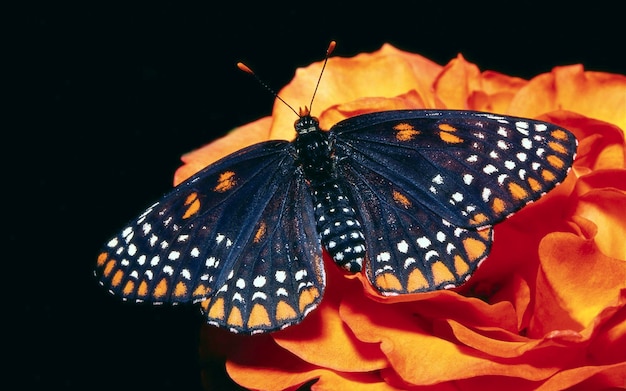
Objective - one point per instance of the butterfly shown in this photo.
(409, 197)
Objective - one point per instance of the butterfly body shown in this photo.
(409, 196)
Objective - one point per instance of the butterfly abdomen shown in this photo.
(338, 226)
(336, 220)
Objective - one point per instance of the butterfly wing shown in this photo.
(429, 184)
(232, 237)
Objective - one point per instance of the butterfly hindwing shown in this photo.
(227, 234)
(428, 185)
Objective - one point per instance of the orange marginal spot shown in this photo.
(234, 319)
(416, 281)
(102, 258)
(260, 233)
(441, 273)
(557, 147)
(204, 304)
(128, 288)
(194, 205)
(517, 191)
(217, 309)
(479, 218)
(109, 267)
(143, 289)
(181, 289)
(555, 161)
(259, 317)
(498, 205)
(307, 297)
(406, 132)
(225, 182)
(534, 184)
(117, 278)
(547, 176)
(201, 291)
(388, 282)
(485, 234)
(401, 199)
(559, 134)
(284, 311)
(460, 265)
(474, 248)
(161, 289)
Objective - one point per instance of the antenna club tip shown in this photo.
(244, 68)
(331, 47)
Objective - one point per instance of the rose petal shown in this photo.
(587, 378)
(575, 284)
(593, 94)
(343, 82)
(407, 340)
(605, 206)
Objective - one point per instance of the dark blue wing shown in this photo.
(429, 184)
(238, 236)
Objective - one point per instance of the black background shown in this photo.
(103, 98)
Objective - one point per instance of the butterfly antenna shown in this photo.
(247, 69)
(331, 47)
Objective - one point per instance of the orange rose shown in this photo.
(546, 311)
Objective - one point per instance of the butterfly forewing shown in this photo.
(473, 169)
(229, 233)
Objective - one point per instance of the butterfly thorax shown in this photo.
(336, 220)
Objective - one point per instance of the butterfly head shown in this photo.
(306, 123)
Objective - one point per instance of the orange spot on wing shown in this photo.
(559, 134)
(485, 234)
(109, 267)
(474, 248)
(117, 278)
(401, 199)
(284, 311)
(201, 291)
(388, 282)
(143, 289)
(460, 265)
(217, 309)
(446, 136)
(102, 258)
(225, 182)
(260, 233)
(193, 203)
(416, 282)
(180, 290)
(534, 184)
(441, 273)
(557, 147)
(517, 191)
(555, 161)
(160, 290)
(447, 127)
(234, 318)
(307, 297)
(547, 176)
(128, 288)
(498, 205)
(259, 317)
(478, 218)
(406, 132)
